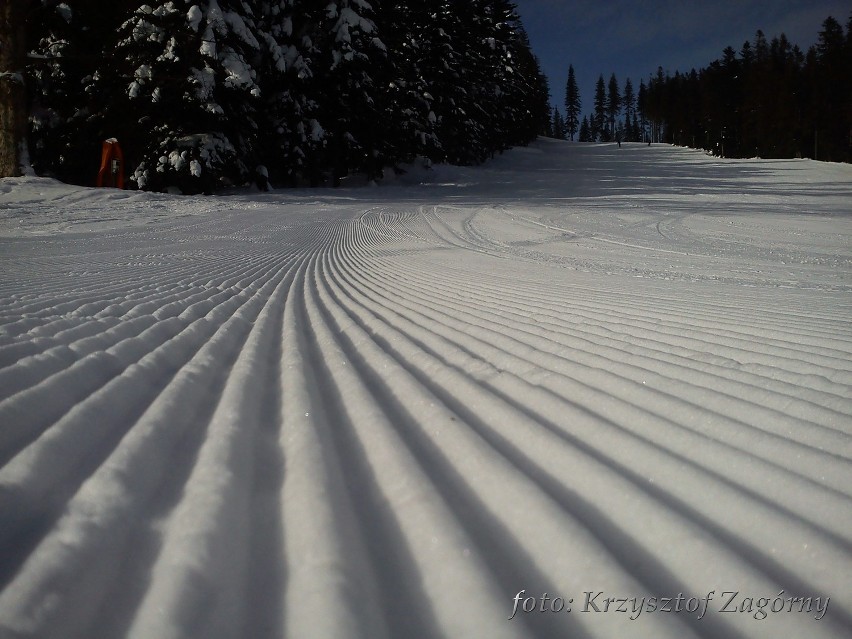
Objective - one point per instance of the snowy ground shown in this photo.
(385, 412)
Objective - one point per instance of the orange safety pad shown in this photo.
(110, 151)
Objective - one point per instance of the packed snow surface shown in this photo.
(582, 387)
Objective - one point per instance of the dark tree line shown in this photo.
(769, 99)
(201, 93)
(618, 114)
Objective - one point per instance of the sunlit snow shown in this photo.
(576, 373)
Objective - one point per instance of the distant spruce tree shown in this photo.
(598, 122)
(586, 131)
(641, 110)
(559, 127)
(829, 69)
(573, 105)
(613, 106)
(547, 130)
(655, 105)
(628, 103)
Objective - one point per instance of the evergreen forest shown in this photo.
(205, 94)
(768, 100)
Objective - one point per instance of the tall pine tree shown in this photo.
(292, 140)
(407, 102)
(585, 131)
(641, 109)
(573, 105)
(191, 84)
(599, 131)
(628, 103)
(352, 61)
(613, 105)
(831, 93)
(559, 127)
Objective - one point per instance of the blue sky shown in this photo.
(633, 37)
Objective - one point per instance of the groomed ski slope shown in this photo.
(385, 412)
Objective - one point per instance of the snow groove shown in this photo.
(349, 414)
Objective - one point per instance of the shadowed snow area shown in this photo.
(611, 376)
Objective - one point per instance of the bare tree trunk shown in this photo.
(13, 94)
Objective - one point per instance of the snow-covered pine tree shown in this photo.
(516, 98)
(493, 95)
(406, 91)
(351, 61)
(192, 88)
(458, 75)
(452, 68)
(292, 141)
(527, 93)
